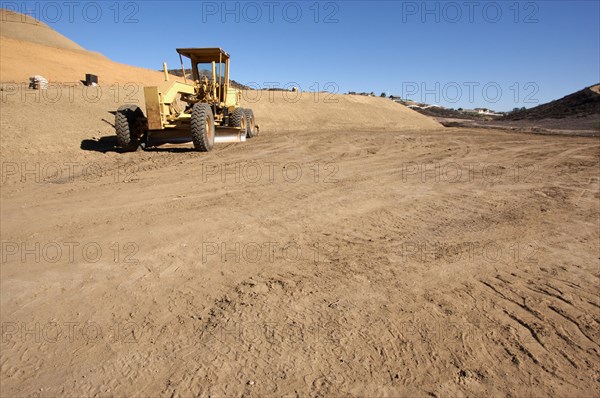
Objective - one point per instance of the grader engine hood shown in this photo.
(161, 101)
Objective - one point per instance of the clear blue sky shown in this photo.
(531, 51)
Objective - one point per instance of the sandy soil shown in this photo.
(336, 254)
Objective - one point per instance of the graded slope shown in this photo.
(29, 47)
(22, 27)
(286, 111)
(21, 59)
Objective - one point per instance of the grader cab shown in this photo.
(205, 111)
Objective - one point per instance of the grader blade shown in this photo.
(178, 136)
(229, 134)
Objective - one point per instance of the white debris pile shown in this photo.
(38, 82)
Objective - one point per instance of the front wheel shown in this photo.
(203, 127)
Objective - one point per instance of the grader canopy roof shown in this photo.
(201, 55)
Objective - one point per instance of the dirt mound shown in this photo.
(21, 59)
(286, 111)
(25, 28)
(583, 103)
(29, 47)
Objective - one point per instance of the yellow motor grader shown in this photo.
(205, 111)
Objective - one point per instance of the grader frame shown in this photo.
(174, 108)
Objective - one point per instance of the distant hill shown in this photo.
(574, 114)
(188, 75)
(582, 104)
(439, 112)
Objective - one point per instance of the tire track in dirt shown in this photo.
(366, 319)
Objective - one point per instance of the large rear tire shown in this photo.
(129, 125)
(251, 127)
(203, 127)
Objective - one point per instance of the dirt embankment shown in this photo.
(29, 48)
(288, 111)
(23, 27)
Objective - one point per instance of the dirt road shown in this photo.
(390, 261)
